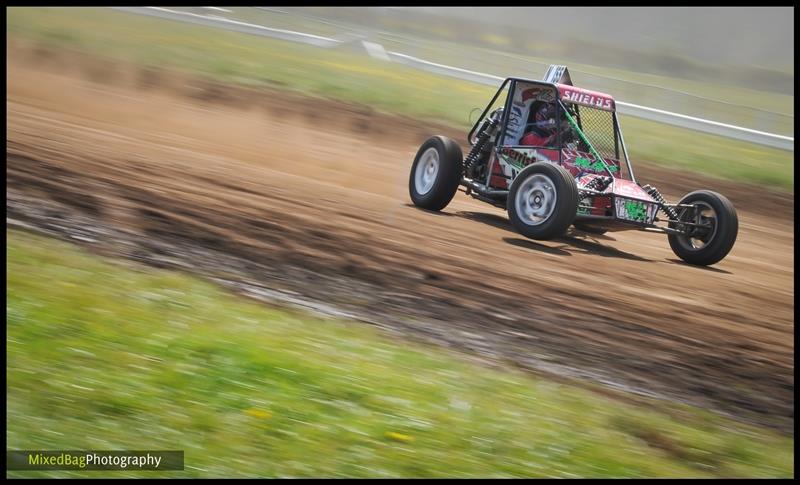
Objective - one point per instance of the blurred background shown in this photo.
(162, 162)
(718, 63)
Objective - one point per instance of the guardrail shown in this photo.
(666, 98)
(375, 50)
(652, 114)
(221, 22)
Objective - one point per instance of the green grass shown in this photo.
(354, 77)
(730, 160)
(106, 354)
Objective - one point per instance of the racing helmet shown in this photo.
(545, 117)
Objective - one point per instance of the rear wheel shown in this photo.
(436, 173)
(542, 201)
(716, 233)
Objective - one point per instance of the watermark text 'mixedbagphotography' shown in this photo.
(94, 460)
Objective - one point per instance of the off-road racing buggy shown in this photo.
(553, 155)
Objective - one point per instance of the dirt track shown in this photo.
(308, 200)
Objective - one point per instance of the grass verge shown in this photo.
(352, 76)
(105, 354)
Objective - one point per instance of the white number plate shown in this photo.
(635, 210)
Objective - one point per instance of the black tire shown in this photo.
(433, 189)
(590, 228)
(552, 194)
(717, 242)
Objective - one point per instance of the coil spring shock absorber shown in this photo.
(486, 131)
(655, 194)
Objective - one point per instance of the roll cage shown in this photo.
(562, 113)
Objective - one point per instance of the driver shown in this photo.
(542, 130)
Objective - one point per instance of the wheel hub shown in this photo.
(536, 199)
(427, 171)
(698, 237)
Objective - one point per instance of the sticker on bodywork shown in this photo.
(517, 157)
(585, 163)
(635, 210)
(539, 94)
(594, 99)
(581, 162)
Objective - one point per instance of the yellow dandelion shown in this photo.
(399, 437)
(258, 413)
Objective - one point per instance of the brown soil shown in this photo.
(306, 201)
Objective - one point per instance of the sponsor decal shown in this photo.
(582, 207)
(585, 163)
(516, 122)
(518, 157)
(539, 94)
(513, 160)
(530, 93)
(588, 99)
(635, 210)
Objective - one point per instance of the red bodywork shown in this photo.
(620, 186)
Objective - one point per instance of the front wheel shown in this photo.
(436, 173)
(543, 201)
(712, 238)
